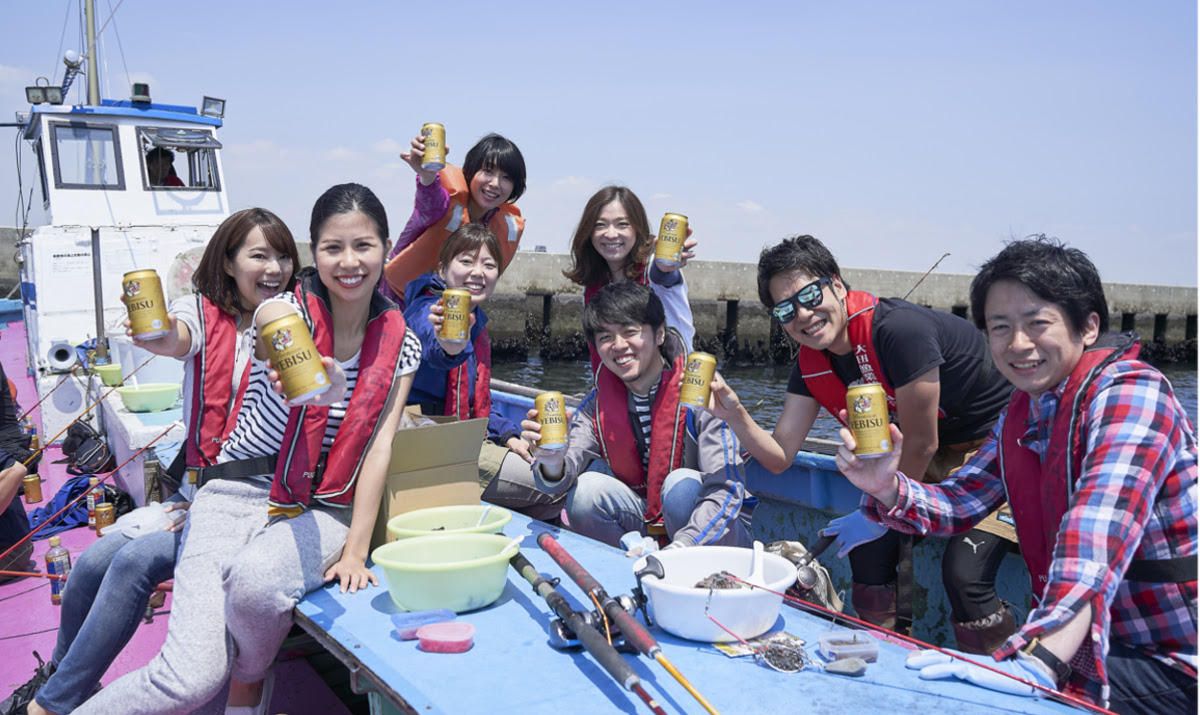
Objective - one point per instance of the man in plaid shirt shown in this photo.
(1098, 461)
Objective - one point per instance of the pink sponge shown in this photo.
(453, 637)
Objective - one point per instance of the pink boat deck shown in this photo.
(30, 621)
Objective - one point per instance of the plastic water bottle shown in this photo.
(58, 561)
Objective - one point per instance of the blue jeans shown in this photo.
(605, 508)
(103, 603)
(1140, 685)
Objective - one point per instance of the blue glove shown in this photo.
(935, 665)
(853, 529)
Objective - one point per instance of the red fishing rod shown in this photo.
(633, 631)
(592, 641)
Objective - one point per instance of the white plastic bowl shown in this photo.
(678, 607)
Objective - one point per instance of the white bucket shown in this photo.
(160, 369)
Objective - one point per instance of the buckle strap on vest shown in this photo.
(239, 469)
(1180, 569)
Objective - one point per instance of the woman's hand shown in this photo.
(176, 506)
(413, 158)
(688, 253)
(437, 318)
(352, 573)
(337, 385)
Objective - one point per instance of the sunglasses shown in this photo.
(808, 297)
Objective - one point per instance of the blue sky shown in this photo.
(894, 132)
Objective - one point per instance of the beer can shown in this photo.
(698, 374)
(33, 488)
(145, 303)
(552, 416)
(456, 315)
(295, 358)
(95, 497)
(434, 158)
(668, 250)
(105, 516)
(867, 412)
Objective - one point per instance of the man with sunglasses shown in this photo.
(941, 387)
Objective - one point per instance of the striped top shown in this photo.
(642, 420)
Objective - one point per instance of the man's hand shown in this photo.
(874, 475)
(853, 530)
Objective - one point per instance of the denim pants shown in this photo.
(605, 508)
(1140, 685)
(103, 603)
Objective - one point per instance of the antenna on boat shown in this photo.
(93, 71)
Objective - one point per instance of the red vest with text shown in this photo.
(817, 370)
(421, 255)
(301, 450)
(214, 407)
(1039, 490)
(618, 446)
(469, 386)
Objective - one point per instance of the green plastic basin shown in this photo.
(109, 374)
(456, 519)
(151, 397)
(461, 572)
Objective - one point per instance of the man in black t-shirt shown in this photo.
(942, 388)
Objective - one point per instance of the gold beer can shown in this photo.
(552, 416)
(698, 373)
(456, 307)
(434, 158)
(145, 303)
(295, 358)
(672, 232)
(33, 488)
(867, 412)
(105, 516)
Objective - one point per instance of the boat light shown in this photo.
(141, 92)
(54, 95)
(213, 107)
(38, 93)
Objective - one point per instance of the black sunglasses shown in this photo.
(809, 297)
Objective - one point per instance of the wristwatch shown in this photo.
(1061, 670)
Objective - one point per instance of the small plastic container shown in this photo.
(838, 645)
(407, 624)
(456, 637)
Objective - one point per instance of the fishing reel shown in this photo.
(562, 637)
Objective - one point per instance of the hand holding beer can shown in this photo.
(672, 232)
(697, 379)
(434, 158)
(867, 413)
(145, 303)
(294, 356)
(552, 416)
(456, 315)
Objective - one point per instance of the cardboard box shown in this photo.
(432, 465)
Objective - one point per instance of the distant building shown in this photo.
(539, 249)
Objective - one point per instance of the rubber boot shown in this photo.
(986, 635)
(875, 604)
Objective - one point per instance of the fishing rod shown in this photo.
(164, 586)
(633, 631)
(595, 644)
(27, 412)
(838, 616)
(935, 265)
(87, 410)
(84, 493)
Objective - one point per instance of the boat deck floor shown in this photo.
(30, 620)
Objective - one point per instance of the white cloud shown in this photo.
(340, 153)
(749, 206)
(388, 146)
(657, 197)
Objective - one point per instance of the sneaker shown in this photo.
(22, 696)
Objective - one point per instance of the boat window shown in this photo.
(179, 158)
(86, 156)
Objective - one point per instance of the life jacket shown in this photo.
(300, 453)
(817, 370)
(589, 292)
(1039, 490)
(618, 446)
(421, 256)
(214, 407)
(469, 386)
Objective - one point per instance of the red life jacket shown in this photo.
(590, 292)
(1039, 490)
(301, 450)
(421, 255)
(214, 407)
(467, 398)
(618, 446)
(817, 370)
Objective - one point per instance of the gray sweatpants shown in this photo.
(236, 582)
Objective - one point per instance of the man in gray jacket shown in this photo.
(672, 471)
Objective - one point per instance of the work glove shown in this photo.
(635, 544)
(936, 665)
(853, 530)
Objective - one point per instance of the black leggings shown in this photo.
(969, 570)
